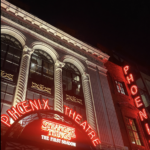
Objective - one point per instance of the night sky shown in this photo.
(122, 25)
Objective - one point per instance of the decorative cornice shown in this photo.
(94, 66)
(52, 30)
(44, 38)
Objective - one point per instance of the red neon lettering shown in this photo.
(5, 119)
(39, 104)
(137, 101)
(130, 78)
(19, 106)
(46, 104)
(71, 113)
(142, 114)
(66, 109)
(13, 113)
(92, 134)
(78, 118)
(25, 106)
(83, 124)
(33, 105)
(126, 68)
(147, 128)
(134, 89)
(89, 127)
(96, 142)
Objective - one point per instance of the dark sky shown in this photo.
(122, 25)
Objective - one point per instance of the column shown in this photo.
(21, 87)
(88, 101)
(58, 100)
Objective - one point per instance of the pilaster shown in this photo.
(88, 100)
(58, 100)
(21, 87)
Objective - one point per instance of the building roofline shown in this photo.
(51, 29)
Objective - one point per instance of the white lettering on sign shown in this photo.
(57, 140)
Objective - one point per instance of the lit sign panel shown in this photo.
(138, 101)
(58, 133)
(58, 130)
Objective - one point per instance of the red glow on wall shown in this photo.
(58, 130)
(134, 89)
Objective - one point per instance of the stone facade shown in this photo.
(99, 106)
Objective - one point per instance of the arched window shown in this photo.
(72, 89)
(41, 77)
(72, 80)
(11, 52)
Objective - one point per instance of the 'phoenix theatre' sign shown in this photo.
(25, 107)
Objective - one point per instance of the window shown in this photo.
(132, 130)
(72, 80)
(120, 87)
(7, 92)
(41, 69)
(11, 52)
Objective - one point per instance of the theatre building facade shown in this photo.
(55, 90)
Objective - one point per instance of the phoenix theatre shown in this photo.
(56, 93)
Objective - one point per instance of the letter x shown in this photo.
(46, 104)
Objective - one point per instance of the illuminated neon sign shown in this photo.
(58, 130)
(137, 99)
(58, 133)
(86, 127)
(25, 107)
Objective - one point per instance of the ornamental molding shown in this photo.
(6, 75)
(74, 99)
(59, 64)
(51, 29)
(27, 50)
(93, 66)
(41, 87)
(76, 63)
(46, 48)
(13, 32)
(45, 39)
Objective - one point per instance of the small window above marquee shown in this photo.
(121, 87)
